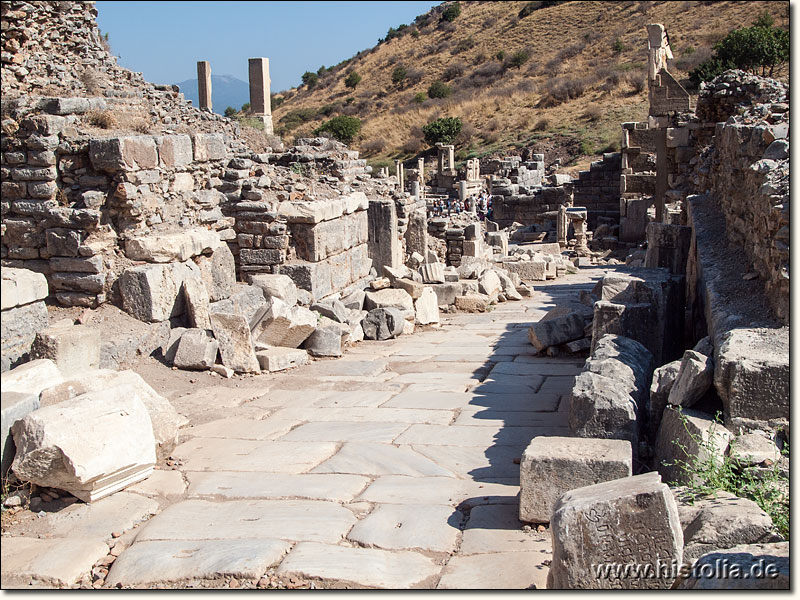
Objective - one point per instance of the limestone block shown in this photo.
(753, 449)
(171, 247)
(472, 303)
(552, 466)
(218, 272)
(700, 436)
(276, 286)
(163, 416)
(326, 340)
(127, 153)
(152, 292)
(32, 377)
(556, 331)
(285, 326)
(235, 343)
(630, 320)
(446, 293)
(15, 405)
(694, 378)
(312, 277)
(469, 270)
(532, 270)
(280, 359)
(21, 286)
(197, 303)
(626, 521)
(388, 298)
(90, 446)
(196, 350)
(246, 300)
(489, 284)
(432, 272)
(663, 379)
(18, 327)
(174, 151)
(354, 300)
(208, 146)
(73, 348)
(744, 559)
(508, 287)
(382, 323)
(426, 307)
(332, 309)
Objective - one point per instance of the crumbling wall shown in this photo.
(529, 208)
(598, 189)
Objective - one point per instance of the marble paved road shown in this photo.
(395, 466)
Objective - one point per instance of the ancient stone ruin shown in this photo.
(266, 367)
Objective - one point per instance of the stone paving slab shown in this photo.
(534, 368)
(558, 385)
(55, 561)
(213, 454)
(297, 520)
(119, 512)
(434, 377)
(369, 567)
(497, 387)
(382, 459)
(244, 429)
(156, 561)
(486, 357)
(408, 527)
(339, 431)
(471, 462)
(381, 414)
(452, 386)
(347, 367)
(461, 435)
(487, 417)
(237, 485)
(497, 528)
(160, 483)
(278, 398)
(517, 349)
(361, 398)
(526, 401)
(478, 369)
(400, 489)
(498, 571)
(428, 400)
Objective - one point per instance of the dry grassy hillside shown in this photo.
(584, 75)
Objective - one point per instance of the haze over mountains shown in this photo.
(226, 91)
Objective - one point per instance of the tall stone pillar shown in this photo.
(204, 83)
(383, 242)
(400, 175)
(421, 169)
(462, 191)
(258, 70)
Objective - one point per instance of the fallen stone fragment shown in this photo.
(285, 326)
(71, 347)
(276, 286)
(472, 303)
(426, 307)
(556, 331)
(432, 272)
(197, 302)
(734, 569)
(32, 377)
(57, 561)
(389, 298)
(694, 378)
(382, 324)
(15, 405)
(196, 350)
(413, 288)
(280, 359)
(152, 292)
(235, 343)
(90, 446)
(325, 341)
(630, 521)
(663, 380)
(333, 309)
(551, 466)
(489, 284)
(753, 449)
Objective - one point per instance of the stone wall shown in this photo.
(530, 208)
(598, 189)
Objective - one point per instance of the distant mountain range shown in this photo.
(226, 91)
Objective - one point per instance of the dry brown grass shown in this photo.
(573, 65)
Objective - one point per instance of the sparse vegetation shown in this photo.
(444, 130)
(420, 97)
(104, 119)
(352, 80)
(309, 79)
(342, 128)
(439, 89)
(399, 74)
(230, 112)
(518, 59)
(452, 12)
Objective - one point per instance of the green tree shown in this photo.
(452, 12)
(518, 59)
(444, 130)
(420, 97)
(352, 80)
(342, 128)
(246, 107)
(230, 111)
(310, 79)
(399, 74)
(439, 89)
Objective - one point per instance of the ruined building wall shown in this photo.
(598, 189)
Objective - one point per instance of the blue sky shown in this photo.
(164, 40)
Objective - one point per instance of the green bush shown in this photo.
(501, 56)
(297, 117)
(452, 12)
(439, 89)
(399, 74)
(420, 97)
(309, 79)
(246, 107)
(275, 101)
(230, 111)
(760, 48)
(618, 46)
(518, 59)
(342, 128)
(352, 80)
(769, 488)
(444, 130)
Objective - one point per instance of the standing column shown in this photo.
(204, 83)
(258, 70)
(421, 169)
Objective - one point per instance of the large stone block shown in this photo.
(382, 323)
(426, 307)
(127, 153)
(73, 348)
(528, 270)
(553, 332)
(446, 293)
(18, 328)
(197, 302)
(280, 359)
(668, 247)
(629, 522)
(208, 146)
(276, 286)
(196, 349)
(246, 300)
(285, 326)
(489, 284)
(432, 272)
(171, 247)
(21, 286)
(174, 151)
(218, 272)
(389, 298)
(326, 340)
(384, 245)
(15, 405)
(312, 277)
(687, 438)
(633, 320)
(694, 378)
(235, 342)
(32, 377)
(552, 466)
(734, 569)
(153, 292)
(90, 446)
(663, 379)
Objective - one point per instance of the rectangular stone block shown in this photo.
(174, 151)
(153, 292)
(632, 521)
(552, 466)
(15, 405)
(530, 270)
(18, 328)
(556, 331)
(196, 349)
(208, 146)
(73, 348)
(280, 359)
(235, 342)
(21, 286)
(128, 153)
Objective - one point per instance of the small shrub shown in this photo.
(328, 110)
(452, 12)
(468, 131)
(412, 146)
(444, 130)
(464, 45)
(593, 112)
(309, 79)
(637, 81)
(452, 71)
(489, 22)
(245, 107)
(104, 119)
(420, 97)
(541, 125)
(517, 59)
(275, 101)
(399, 74)
(447, 27)
(229, 112)
(91, 81)
(479, 59)
(490, 137)
(500, 56)
(374, 146)
(352, 80)
(618, 46)
(342, 128)
(439, 89)
(297, 117)
(414, 76)
(415, 33)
